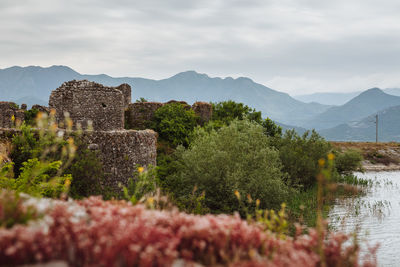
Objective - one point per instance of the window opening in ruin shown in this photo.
(104, 105)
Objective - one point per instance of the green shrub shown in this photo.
(38, 178)
(87, 172)
(271, 128)
(348, 161)
(174, 123)
(25, 146)
(237, 157)
(40, 156)
(228, 111)
(300, 155)
(30, 116)
(13, 211)
(142, 99)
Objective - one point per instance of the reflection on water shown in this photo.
(375, 216)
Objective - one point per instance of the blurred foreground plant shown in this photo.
(40, 156)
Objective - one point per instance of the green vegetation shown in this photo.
(30, 116)
(300, 155)
(348, 161)
(227, 111)
(87, 172)
(39, 157)
(174, 123)
(13, 211)
(237, 157)
(46, 162)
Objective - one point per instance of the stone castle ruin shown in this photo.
(89, 102)
(106, 116)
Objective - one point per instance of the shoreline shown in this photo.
(369, 167)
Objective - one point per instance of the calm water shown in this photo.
(375, 216)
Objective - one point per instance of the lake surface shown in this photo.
(375, 216)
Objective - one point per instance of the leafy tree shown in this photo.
(271, 128)
(227, 111)
(174, 123)
(236, 157)
(87, 172)
(300, 155)
(348, 161)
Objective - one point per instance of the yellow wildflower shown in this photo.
(70, 141)
(150, 201)
(67, 182)
(237, 194)
(331, 156)
(321, 162)
(12, 118)
(140, 169)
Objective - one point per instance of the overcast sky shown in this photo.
(295, 46)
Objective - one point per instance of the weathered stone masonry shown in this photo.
(121, 152)
(107, 108)
(9, 110)
(91, 102)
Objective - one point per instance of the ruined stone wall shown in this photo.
(119, 151)
(126, 91)
(122, 151)
(203, 110)
(41, 108)
(89, 101)
(139, 114)
(7, 111)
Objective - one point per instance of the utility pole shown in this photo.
(376, 122)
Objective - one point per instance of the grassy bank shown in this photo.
(373, 153)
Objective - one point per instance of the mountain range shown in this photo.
(367, 103)
(365, 129)
(337, 99)
(350, 120)
(36, 83)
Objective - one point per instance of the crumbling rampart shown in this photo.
(139, 114)
(10, 114)
(89, 102)
(106, 109)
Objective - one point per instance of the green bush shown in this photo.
(174, 123)
(348, 161)
(236, 157)
(40, 156)
(87, 172)
(228, 111)
(38, 178)
(300, 155)
(142, 185)
(30, 116)
(271, 128)
(25, 146)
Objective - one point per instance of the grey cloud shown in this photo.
(291, 44)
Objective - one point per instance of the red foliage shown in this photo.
(118, 234)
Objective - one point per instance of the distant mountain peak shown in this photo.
(190, 74)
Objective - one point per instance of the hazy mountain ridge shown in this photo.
(190, 86)
(367, 103)
(337, 99)
(365, 129)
